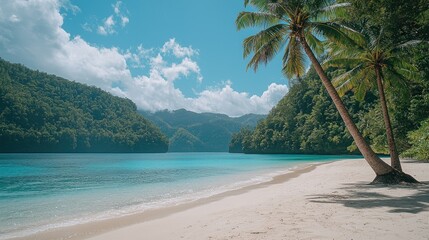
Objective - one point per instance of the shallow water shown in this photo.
(42, 191)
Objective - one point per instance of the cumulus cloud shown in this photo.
(163, 95)
(136, 57)
(31, 33)
(184, 68)
(173, 47)
(227, 100)
(159, 85)
(39, 41)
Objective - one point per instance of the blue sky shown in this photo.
(161, 54)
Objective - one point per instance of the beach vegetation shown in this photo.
(419, 140)
(302, 27)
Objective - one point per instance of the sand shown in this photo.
(327, 201)
(333, 201)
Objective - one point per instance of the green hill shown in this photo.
(45, 113)
(306, 121)
(200, 132)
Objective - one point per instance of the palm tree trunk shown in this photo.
(394, 158)
(378, 165)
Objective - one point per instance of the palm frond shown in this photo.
(253, 19)
(347, 85)
(315, 6)
(271, 6)
(293, 59)
(332, 12)
(342, 62)
(315, 43)
(257, 3)
(264, 45)
(411, 43)
(335, 6)
(345, 77)
(337, 33)
(402, 67)
(362, 88)
(257, 41)
(358, 82)
(393, 79)
(396, 83)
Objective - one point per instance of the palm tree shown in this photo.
(298, 25)
(370, 60)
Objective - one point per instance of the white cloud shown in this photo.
(101, 30)
(173, 47)
(233, 103)
(67, 5)
(87, 27)
(40, 42)
(124, 21)
(157, 91)
(143, 52)
(175, 70)
(13, 18)
(116, 7)
(109, 24)
(136, 57)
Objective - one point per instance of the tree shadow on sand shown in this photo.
(363, 196)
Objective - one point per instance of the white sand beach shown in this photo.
(327, 201)
(333, 201)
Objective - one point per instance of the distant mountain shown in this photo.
(200, 132)
(45, 113)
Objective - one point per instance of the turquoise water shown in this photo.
(42, 191)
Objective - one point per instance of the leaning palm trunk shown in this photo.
(384, 173)
(395, 163)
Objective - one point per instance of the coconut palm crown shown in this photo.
(373, 64)
(363, 58)
(286, 23)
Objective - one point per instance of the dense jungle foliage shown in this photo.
(305, 120)
(45, 113)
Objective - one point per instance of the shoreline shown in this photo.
(331, 200)
(98, 227)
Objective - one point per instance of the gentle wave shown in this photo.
(188, 197)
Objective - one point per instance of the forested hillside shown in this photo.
(200, 132)
(45, 113)
(305, 121)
